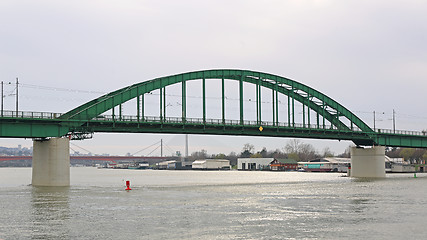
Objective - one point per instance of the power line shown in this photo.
(400, 115)
(145, 148)
(33, 86)
(59, 89)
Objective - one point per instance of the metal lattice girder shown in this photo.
(325, 106)
(28, 125)
(218, 128)
(32, 128)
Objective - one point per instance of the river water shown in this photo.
(212, 205)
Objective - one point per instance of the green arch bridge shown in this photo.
(322, 117)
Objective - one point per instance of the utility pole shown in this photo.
(374, 121)
(17, 96)
(186, 146)
(394, 121)
(161, 147)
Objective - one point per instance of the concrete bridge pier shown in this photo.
(368, 162)
(51, 162)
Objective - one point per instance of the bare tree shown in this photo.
(408, 154)
(347, 152)
(300, 151)
(327, 152)
(307, 152)
(248, 147)
(202, 154)
(293, 146)
(247, 151)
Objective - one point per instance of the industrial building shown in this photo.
(254, 163)
(211, 164)
(167, 164)
(284, 165)
(326, 165)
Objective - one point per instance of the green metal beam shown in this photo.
(113, 111)
(142, 107)
(260, 102)
(204, 98)
(273, 107)
(223, 99)
(120, 112)
(277, 106)
(241, 97)
(289, 110)
(257, 101)
(164, 102)
(138, 107)
(293, 108)
(36, 127)
(308, 108)
(303, 112)
(184, 100)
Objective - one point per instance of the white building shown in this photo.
(331, 164)
(166, 165)
(253, 163)
(211, 164)
(402, 168)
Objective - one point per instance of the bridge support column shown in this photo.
(51, 162)
(368, 162)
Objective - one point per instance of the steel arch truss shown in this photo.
(310, 98)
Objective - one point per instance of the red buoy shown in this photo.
(128, 186)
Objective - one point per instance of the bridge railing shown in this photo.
(24, 114)
(402, 132)
(180, 120)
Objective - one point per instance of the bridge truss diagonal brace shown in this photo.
(295, 90)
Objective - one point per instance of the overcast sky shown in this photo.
(367, 55)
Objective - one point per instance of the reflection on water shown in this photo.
(50, 212)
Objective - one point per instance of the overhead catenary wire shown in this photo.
(33, 86)
(386, 113)
(59, 89)
(48, 88)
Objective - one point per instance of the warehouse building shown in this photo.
(326, 165)
(284, 165)
(254, 163)
(166, 164)
(211, 164)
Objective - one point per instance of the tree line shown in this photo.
(294, 149)
(302, 152)
(411, 155)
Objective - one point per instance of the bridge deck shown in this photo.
(45, 124)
